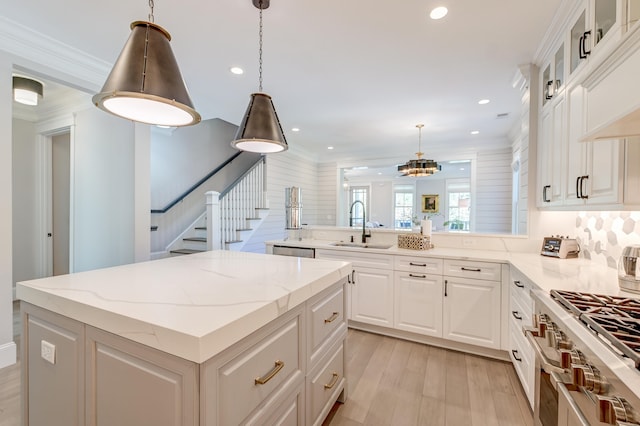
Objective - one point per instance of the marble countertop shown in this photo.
(191, 306)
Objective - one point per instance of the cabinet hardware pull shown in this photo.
(417, 276)
(262, 380)
(424, 265)
(332, 318)
(582, 178)
(545, 196)
(514, 352)
(518, 284)
(471, 269)
(446, 282)
(349, 278)
(584, 43)
(581, 53)
(334, 380)
(578, 187)
(516, 315)
(353, 276)
(549, 92)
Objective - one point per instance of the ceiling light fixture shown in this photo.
(421, 166)
(26, 90)
(329, 147)
(484, 101)
(260, 130)
(295, 129)
(145, 84)
(439, 12)
(475, 132)
(236, 70)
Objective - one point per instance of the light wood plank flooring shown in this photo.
(391, 382)
(395, 382)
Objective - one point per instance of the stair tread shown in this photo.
(185, 251)
(233, 241)
(245, 229)
(196, 239)
(254, 218)
(200, 228)
(262, 208)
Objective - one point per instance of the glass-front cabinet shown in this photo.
(596, 25)
(553, 76)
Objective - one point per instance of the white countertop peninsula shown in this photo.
(192, 306)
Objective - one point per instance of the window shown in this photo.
(403, 207)
(356, 212)
(459, 204)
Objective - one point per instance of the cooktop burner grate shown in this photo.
(622, 332)
(589, 303)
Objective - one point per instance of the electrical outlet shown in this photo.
(48, 351)
(468, 242)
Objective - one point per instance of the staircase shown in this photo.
(242, 211)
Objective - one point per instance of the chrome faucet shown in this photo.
(364, 220)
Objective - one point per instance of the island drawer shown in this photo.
(472, 269)
(324, 385)
(418, 264)
(259, 372)
(325, 316)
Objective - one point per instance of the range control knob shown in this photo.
(541, 322)
(558, 340)
(614, 410)
(570, 357)
(588, 377)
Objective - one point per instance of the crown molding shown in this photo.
(555, 32)
(37, 48)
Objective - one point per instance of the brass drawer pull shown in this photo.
(332, 318)
(262, 380)
(334, 380)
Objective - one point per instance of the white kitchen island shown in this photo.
(214, 338)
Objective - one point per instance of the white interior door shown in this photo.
(60, 200)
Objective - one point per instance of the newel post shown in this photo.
(213, 220)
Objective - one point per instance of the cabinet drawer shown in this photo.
(523, 359)
(324, 386)
(358, 259)
(418, 264)
(287, 412)
(255, 374)
(472, 269)
(520, 288)
(520, 311)
(325, 317)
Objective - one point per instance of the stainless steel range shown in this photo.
(588, 359)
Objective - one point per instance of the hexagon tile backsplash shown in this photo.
(603, 235)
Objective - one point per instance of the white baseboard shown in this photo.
(8, 354)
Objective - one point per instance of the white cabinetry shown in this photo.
(370, 288)
(550, 155)
(521, 315)
(472, 300)
(418, 295)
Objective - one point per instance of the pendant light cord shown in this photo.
(260, 51)
(151, 5)
(419, 153)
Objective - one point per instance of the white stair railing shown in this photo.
(233, 208)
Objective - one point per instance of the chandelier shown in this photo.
(420, 166)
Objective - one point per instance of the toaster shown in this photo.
(560, 247)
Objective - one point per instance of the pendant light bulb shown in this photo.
(260, 130)
(145, 84)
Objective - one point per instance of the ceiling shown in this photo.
(352, 74)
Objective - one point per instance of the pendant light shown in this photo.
(421, 166)
(260, 130)
(26, 91)
(145, 84)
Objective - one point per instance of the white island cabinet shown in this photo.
(195, 340)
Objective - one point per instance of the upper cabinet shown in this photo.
(590, 67)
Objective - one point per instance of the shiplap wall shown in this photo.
(327, 197)
(285, 170)
(493, 191)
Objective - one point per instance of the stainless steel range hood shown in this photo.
(624, 126)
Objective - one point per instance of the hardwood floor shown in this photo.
(10, 381)
(395, 382)
(391, 382)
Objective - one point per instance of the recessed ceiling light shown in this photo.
(329, 147)
(484, 101)
(462, 169)
(379, 173)
(295, 129)
(236, 70)
(439, 12)
(475, 132)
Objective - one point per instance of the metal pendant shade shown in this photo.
(145, 84)
(420, 166)
(27, 91)
(260, 130)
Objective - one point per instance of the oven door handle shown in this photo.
(562, 388)
(545, 363)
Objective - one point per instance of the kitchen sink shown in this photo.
(362, 245)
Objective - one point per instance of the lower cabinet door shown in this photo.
(418, 303)
(324, 384)
(472, 311)
(372, 296)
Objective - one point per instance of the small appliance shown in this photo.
(560, 247)
(629, 269)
